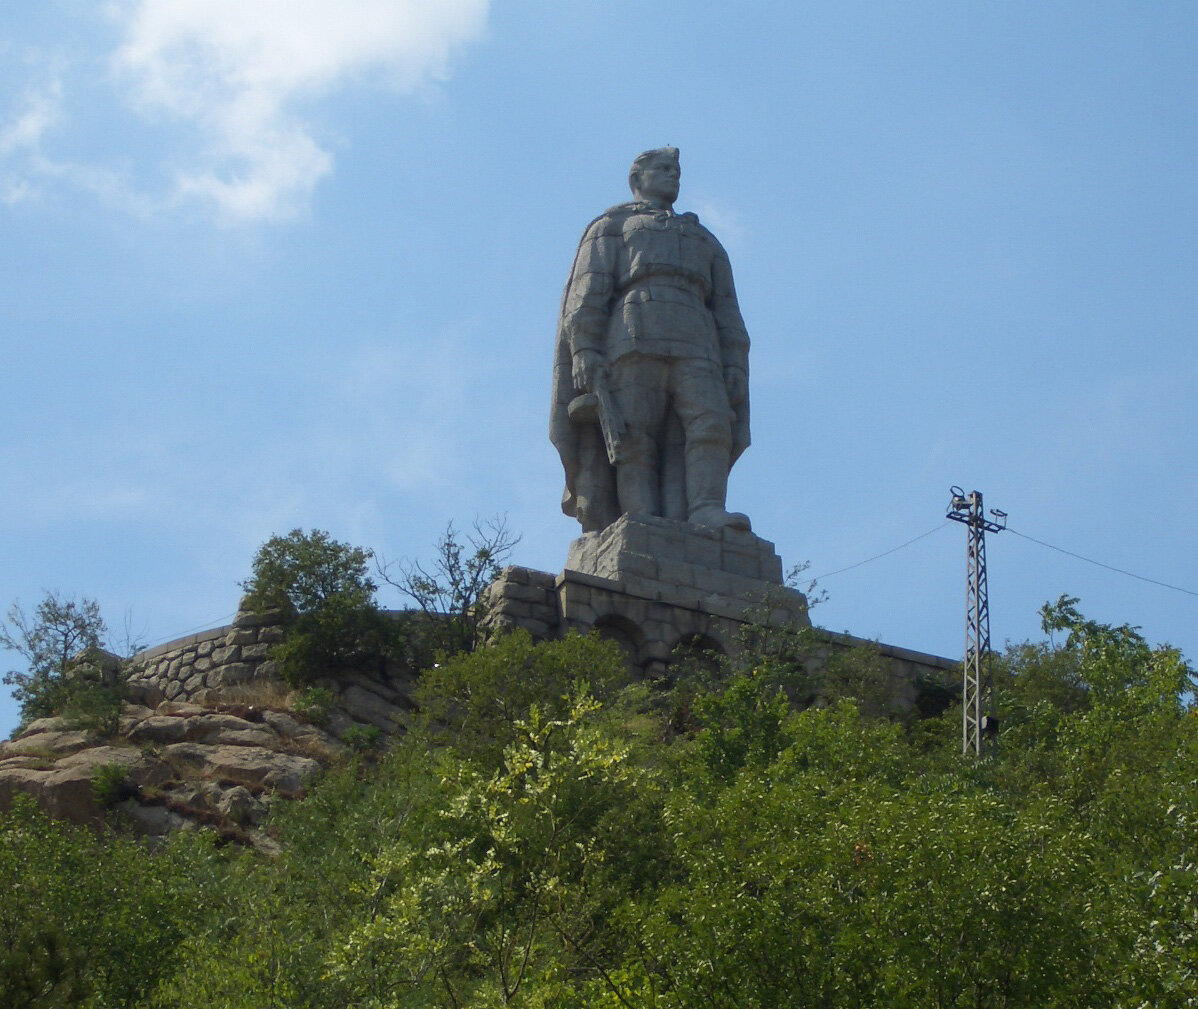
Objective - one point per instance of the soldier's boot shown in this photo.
(707, 465)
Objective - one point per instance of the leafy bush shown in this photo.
(313, 705)
(323, 583)
(92, 706)
(109, 784)
(478, 698)
(362, 738)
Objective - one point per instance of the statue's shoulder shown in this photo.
(611, 221)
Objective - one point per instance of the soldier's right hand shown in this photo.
(588, 365)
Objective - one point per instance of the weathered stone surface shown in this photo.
(154, 821)
(292, 728)
(365, 706)
(234, 673)
(145, 693)
(373, 685)
(264, 618)
(45, 725)
(240, 806)
(248, 765)
(241, 636)
(159, 729)
(179, 708)
(50, 743)
(65, 790)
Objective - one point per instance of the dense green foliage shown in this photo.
(91, 921)
(324, 586)
(550, 839)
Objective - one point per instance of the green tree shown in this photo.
(476, 700)
(508, 901)
(324, 585)
(51, 641)
(305, 571)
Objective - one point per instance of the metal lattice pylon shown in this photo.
(979, 724)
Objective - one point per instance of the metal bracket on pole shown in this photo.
(979, 722)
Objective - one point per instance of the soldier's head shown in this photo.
(654, 176)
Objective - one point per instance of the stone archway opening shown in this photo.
(626, 634)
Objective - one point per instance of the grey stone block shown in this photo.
(524, 593)
(702, 550)
(234, 672)
(537, 628)
(645, 588)
(241, 636)
(740, 562)
(679, 573)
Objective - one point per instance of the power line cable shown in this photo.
(1109, 567)
(885, 553)
(211, 625)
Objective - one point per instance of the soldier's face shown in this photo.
(659, 179)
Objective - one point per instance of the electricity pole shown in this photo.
(979, 724)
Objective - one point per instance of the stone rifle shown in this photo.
(599, 406)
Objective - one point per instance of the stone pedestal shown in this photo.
(652, 584)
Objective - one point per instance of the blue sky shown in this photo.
(298, 263)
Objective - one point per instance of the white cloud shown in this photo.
(237, 70)
(726, 223)
(21, 137)
(38, 111)
(233, 79)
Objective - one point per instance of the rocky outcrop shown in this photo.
(173, 767)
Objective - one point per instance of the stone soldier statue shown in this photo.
(651, 376)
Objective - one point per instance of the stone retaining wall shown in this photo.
(202, 668)
(189, 668)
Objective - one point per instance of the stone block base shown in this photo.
(652, 584)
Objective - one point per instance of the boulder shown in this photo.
(51, 743)
(179, 708)
(159, 729)
(152, 820)
(363, 705)
(248, 765)
(65, 790)
(225, 729)
(240, 806)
